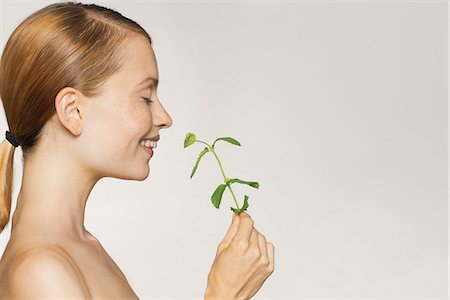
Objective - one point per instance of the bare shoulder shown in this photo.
(45, 272)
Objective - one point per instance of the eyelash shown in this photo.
(147, 100)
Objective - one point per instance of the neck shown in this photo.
(52, 198)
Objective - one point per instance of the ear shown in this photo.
(67, 104)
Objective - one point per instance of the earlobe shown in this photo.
(67, 109)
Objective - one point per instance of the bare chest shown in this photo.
(102, 276)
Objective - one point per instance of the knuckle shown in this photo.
(255, 252)
(262, 237)
(241, 244)
(220, 247)
(264, 261)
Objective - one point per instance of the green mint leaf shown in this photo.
(227, 139)
(235, 210)
(217, 195)
(189, 139)
(198, 160)
(253, 184)
(245, 206)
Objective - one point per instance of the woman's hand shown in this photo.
(244, 260)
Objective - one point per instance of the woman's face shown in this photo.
(121, 116)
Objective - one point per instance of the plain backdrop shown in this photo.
(341, 109)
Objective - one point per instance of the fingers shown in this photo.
(271, 255)
(254, 239)
(245, 229)
(262, 246)
(231, 230)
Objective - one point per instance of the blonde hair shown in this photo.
(63, 44)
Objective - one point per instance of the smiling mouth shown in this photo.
(149, 143)
(149, 150)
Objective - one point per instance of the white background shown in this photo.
(341, 110)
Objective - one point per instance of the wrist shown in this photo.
(214, 295)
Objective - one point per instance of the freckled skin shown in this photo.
(87, 139)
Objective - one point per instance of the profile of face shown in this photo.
(105, 131)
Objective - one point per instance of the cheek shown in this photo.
(113, 133)
(137, 120)
(121, 126)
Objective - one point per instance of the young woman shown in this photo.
(78, 84)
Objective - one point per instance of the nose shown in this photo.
(161, 117)
(168, 121)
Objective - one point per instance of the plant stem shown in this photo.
(221, 169)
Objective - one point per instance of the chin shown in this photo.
(144, 175)
(142, 178)
(138, 175)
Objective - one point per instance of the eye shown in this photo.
(147, 100)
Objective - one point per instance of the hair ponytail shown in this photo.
(6, 178)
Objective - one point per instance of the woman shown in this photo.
(78, 84)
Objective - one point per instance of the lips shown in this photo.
(148, 150)
(150, 144)
(156, 138)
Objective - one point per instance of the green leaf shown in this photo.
(235, 210)
(227, 139)
(189, 139)
(244, 207)
(198, 160)
(217, 195)
(253, 184)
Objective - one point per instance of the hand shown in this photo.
(244, 260)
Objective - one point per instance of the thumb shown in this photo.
(231, 231)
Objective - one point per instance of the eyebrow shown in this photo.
(149, 80)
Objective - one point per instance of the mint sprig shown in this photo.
(216, 197)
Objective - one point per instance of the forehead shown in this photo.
(139, 63)
(140, 60)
